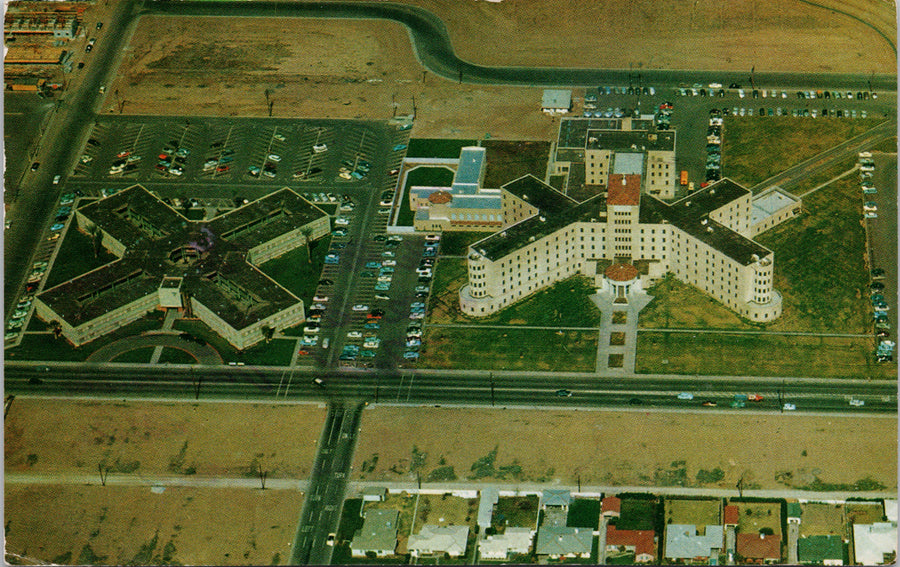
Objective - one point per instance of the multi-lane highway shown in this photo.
(422, 387)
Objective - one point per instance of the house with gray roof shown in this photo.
(489, 497)
(556, 499)
(438, 540)
(377, 535)
(513, 541)
(556, 542)
(683, 542)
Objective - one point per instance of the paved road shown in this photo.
(829, 157)
(434, 50)
(501, 389)
(327, 486)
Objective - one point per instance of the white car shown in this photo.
(321, 299)
(360, 307)
(432, 238)
(56, 179)
(741, 93)
(279, 137)
(865, 155)
(354, 335)
(343, 221)
(685, 396)
(857, 403)
(319, 148)
(715, 85)
(389, 262)
(274, 157)
(789, 407)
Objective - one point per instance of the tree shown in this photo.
(57, 328)
(307, 231)
(268, 332)
(96, 235)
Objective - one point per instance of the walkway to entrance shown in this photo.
(618, 325)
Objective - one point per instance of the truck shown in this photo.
(684, 177)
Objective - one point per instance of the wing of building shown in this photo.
(207, 269)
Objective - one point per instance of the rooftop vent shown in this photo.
(624, 181)
(704, 221)
(754, 258)
(687, 204)
(531, 239)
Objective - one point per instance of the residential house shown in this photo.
(439, 540)
(683, 542)
(513, 541)
(374, 494)
(556, 499)
(730, 516)
(557, 542)
(489, 497)
(759, 548)
(640, 542)
(611, 507)
(377, 535)
(820, 550)
(875, 544)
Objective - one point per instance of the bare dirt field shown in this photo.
(785, 35)
(624, 447)
(361, 69)
(156, 438)
(84, 525)
(317, 69)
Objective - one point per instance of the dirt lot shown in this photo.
(119, 526)
(625, 447)
(785, 35)
(360, 69)
(147, 438)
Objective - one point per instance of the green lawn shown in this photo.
(176, 356)
(436, 147)
(758, 355)
(819, 266)
(564, 304)
(515, 512)
(509, 349)
(755, 149)
(823, 176)
(637, 514)
(584, 513)
(509, 160)
(136, 356)
(277, 352)
(297, 272)
(677, 305)
(76, 257)
(48, 347)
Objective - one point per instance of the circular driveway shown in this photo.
(204, 354)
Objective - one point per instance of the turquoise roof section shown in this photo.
(468, 173)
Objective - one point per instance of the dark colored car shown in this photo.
(35, 166)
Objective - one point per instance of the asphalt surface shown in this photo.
(506, 389)
(325, 495)
(24, 116)
(882, 233)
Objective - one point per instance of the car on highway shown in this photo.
(755, 398)
(563, 394)
(857, 403)
(709, 404)
(789, 407)
(685, 396)
(360, 307)
(57, 226)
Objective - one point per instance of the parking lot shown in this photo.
(880, 212)
(204, 167)
(692, 105)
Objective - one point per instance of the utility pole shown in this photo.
(492, 389)
(740, 486)
(103, 474)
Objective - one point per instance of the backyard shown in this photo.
(694, 512)
(754, 517)
(515, 512)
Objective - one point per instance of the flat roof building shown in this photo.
(556, 101)
(207, 269)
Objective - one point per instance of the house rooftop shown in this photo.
(378, 532)
(563, 541)
(551, 497)
(556, 98)
(758, 546)
(818, 548)
(439, 539)
(683, 541)
(874, 544)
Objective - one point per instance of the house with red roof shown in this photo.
(730, 515)
(611, 507)
(758, 548)
(641, 542)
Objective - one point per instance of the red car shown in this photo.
(126, 153)
(372, 316)
(223, 168)
(303, 352)
(755, 398)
